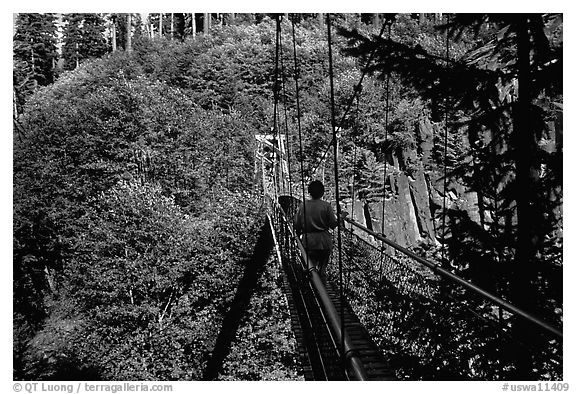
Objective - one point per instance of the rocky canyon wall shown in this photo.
(415, 191)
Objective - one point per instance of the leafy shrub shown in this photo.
(143, 298)
(265, 347)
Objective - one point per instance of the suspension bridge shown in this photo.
(384, 312)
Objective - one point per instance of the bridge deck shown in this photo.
(318, 355)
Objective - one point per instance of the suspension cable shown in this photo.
(337, 191)
(288, 139)
(383, 216)
(354, 159)
(277, 87)
(386, 117)
(287, 133)
(351, 100)
(445, 185)
(298, 117)
(353, 181)
(276, 153)
(444, 273)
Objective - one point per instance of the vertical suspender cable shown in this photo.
(277, 153)
(287, 133)
(336, 186)
(354, 158)
(350, 239)
(351, 101)
(445, 149)
(386, 117)
(276, 88)
(298, 117)
(354, 170)
(386, 121)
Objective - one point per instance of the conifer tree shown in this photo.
(83, 39)
(35, 53)
(504, 89)
(72, 40)
(93, 41)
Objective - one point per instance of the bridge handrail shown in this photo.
(454, 278)
(352, 360)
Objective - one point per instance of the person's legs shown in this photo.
(319, 259)
(323, 260)
(314, 259)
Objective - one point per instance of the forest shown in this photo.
(138, 214)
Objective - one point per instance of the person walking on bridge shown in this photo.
(313, 222)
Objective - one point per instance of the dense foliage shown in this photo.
(132, 219)
(143, 296)
(34, 53)
(136, 211)
(264, 346)
(83, 38)
(432, 329)
(496, 79)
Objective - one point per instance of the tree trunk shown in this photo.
(172, 26)
(50, 279)
(77, 55)
(129, 33)
(114, 35)
(523, 291)
(33, 64)
(179, 26)
(161, 25)
(193, 25)
(523, 148)
(206, 23)
(14, 103)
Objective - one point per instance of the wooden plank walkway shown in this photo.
(375, 363)
(317, 350)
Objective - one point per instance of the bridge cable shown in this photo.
(294, 245)
(386, 123)
(275, 124)
(354, 170)
(277, 152)
(287, 133)
(445, 185)
(288, 139)
(299, 119)
(455, 279)
(351, 100)
(337, 191)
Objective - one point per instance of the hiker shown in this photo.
(313, 221)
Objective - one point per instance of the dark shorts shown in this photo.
(319, 258)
